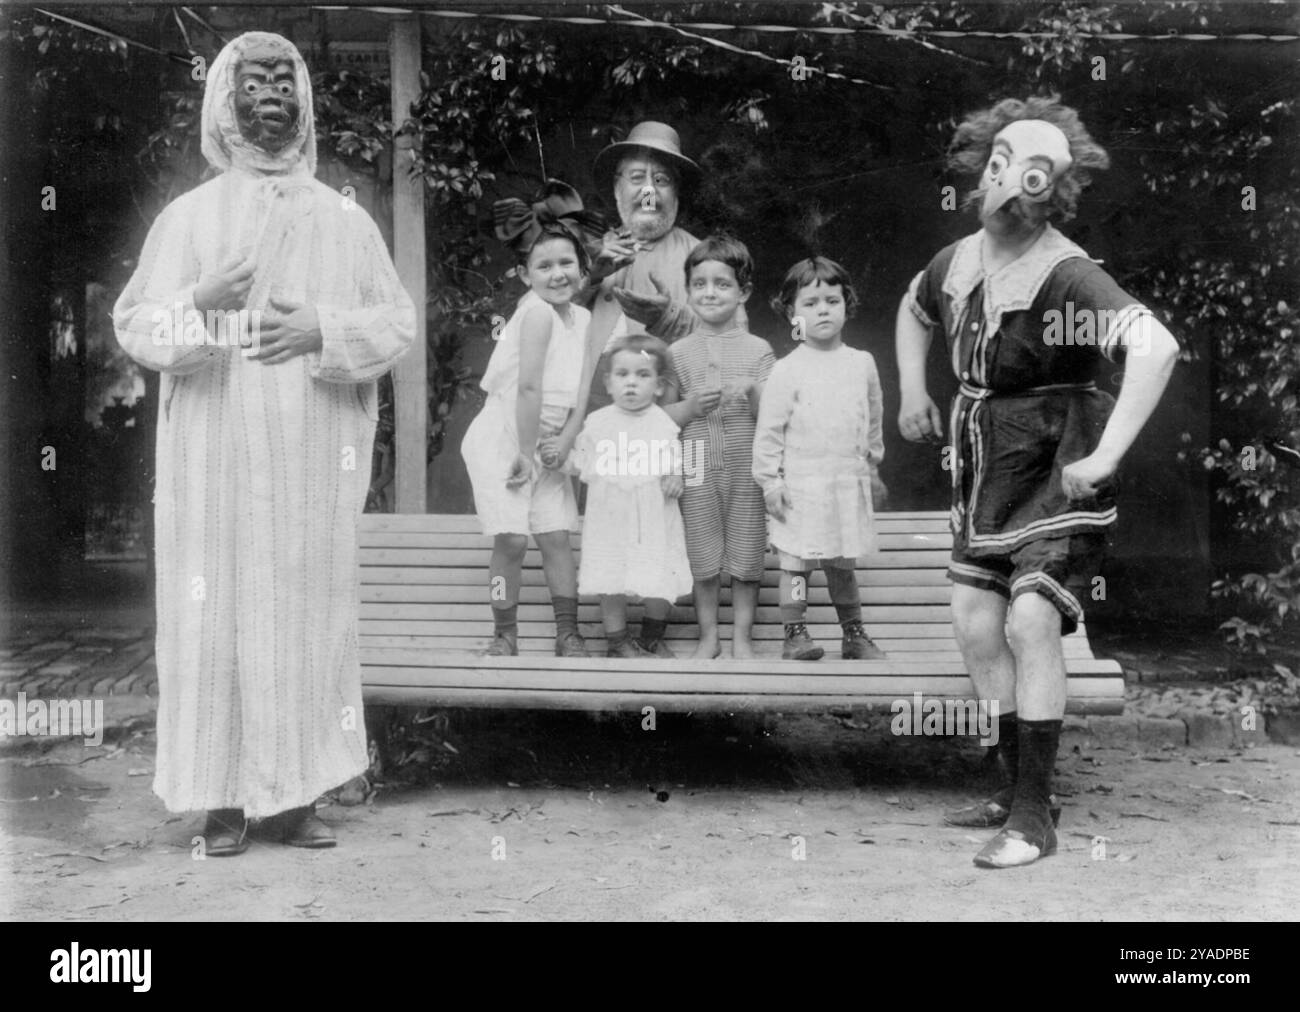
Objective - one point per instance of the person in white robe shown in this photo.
(270, 305)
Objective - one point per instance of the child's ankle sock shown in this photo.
(653, 629)
(1030, 812)
(614, 640)
(506, 620)
(566, 615)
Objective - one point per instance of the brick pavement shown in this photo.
(76, 655)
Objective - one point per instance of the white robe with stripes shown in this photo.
(262, 473)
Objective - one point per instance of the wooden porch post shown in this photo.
(410, 384)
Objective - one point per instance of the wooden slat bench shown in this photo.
(425, 622)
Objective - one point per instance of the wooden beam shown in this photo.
(410, 386)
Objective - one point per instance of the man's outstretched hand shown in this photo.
(287, 330)
(645, 309)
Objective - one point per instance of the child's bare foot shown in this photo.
(709, 648)
(742, 649)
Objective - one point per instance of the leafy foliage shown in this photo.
(1223, 277)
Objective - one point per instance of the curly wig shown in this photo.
(972, 145)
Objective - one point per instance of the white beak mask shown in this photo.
(1028, 158)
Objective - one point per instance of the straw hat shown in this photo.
(657, 137)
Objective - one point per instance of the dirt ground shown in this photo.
(558, 816)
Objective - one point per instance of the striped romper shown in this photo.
(722, 505)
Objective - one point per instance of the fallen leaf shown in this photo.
(537, 892)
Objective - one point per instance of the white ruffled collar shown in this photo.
(1013, 287)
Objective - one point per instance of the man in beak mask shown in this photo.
(1027, 317)
(270, 306)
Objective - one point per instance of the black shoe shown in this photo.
(628, 649)
(570, 645)
(799, 646)
(504, 645)
(657, 648)
(992, 812)
(300, 827)
(225, 832)
(858, 646)
(1012, 849)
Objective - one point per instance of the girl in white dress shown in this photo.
(532, 386)
(818, 441)
(633, 542)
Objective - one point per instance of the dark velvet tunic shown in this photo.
(1026, 344)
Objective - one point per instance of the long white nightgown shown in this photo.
(262, 473)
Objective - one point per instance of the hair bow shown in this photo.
(519, 224)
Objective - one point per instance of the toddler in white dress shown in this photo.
(633, 542)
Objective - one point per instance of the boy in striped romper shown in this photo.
(717, 376)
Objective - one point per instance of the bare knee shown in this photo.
(1033, 624)
(552, 542)
(511, 547)
(978, 618)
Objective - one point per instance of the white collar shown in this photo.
(1014, 286)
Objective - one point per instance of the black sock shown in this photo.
(506, 620)
(653, 629)
(1030, 812)
(1006, 757)
(843, 587)
(566, 615)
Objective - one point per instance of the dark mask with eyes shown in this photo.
(266, 97)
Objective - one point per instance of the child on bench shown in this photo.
(718, 374)
(632, 537)
(817, 444)
(532, 386)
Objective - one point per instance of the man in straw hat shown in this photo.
(637, 283)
